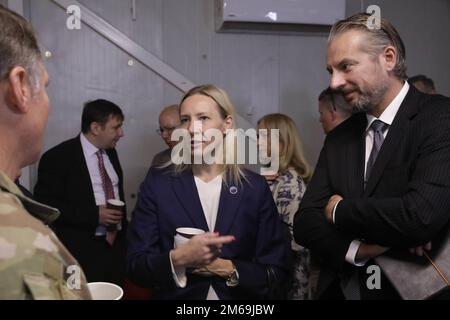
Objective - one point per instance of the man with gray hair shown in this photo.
(169, 120)
(333, 109)
(382, 181)
(33, 262)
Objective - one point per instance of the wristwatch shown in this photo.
(233, 278)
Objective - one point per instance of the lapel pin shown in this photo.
(233, 190)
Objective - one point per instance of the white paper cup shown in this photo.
(183, 235)
(268, 172)
(115, 204)
(105, 291)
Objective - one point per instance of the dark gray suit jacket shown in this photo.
(407, 199)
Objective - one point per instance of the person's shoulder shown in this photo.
(161, 158)
(351, 126)
(164, 153)
(431, 114)
(253, 180)
(12, 209)
(19, 227)
(251, 175)
(356, 120)
(17, 224)
(31, 253)
(70, 143)
(62, 148)
(159, 174)
(433, 103)
(9, 204)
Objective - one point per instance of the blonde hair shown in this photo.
(291, 153)
(232, 173)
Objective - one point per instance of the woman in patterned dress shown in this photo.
(288, 186)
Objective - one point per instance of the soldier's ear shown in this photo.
(18, 90)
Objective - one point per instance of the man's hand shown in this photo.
(200, 251)
(369, 251)
(219, 267)
(418, 251)
(109, 217)
(330, 206)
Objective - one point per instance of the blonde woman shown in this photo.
(288, 186)
(221, 199)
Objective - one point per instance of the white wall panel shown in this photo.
(302, 77)
(85, 66)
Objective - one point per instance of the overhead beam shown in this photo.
(129, 46)
(132, 48)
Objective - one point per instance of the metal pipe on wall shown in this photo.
(133, 10)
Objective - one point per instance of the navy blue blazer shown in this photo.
(168, 201)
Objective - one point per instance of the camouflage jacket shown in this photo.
(34, 264)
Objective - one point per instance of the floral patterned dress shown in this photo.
(287, 191)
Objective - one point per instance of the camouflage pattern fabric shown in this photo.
(34, 264)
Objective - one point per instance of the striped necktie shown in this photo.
(378, 127)
(111, 231)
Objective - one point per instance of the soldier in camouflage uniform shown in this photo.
(33, 262)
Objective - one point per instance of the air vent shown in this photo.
(277, 15)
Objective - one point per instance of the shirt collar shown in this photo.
(389, 113)
(7, 184)
(38, 210)
(88, 148)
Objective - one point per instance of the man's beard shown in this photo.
(370, 99)
(372, 96)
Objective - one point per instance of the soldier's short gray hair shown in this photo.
(18, 47)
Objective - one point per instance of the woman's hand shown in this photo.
(200, 251)
(219, 267)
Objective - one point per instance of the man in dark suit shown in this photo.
(382, 180)
(78, 177)
(333, 109)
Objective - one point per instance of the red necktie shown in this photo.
(111, 231)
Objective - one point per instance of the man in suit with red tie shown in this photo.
(78, 177)
(382, 181)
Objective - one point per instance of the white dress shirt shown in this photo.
(387, 117)
(89, 151)
(209, 193)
